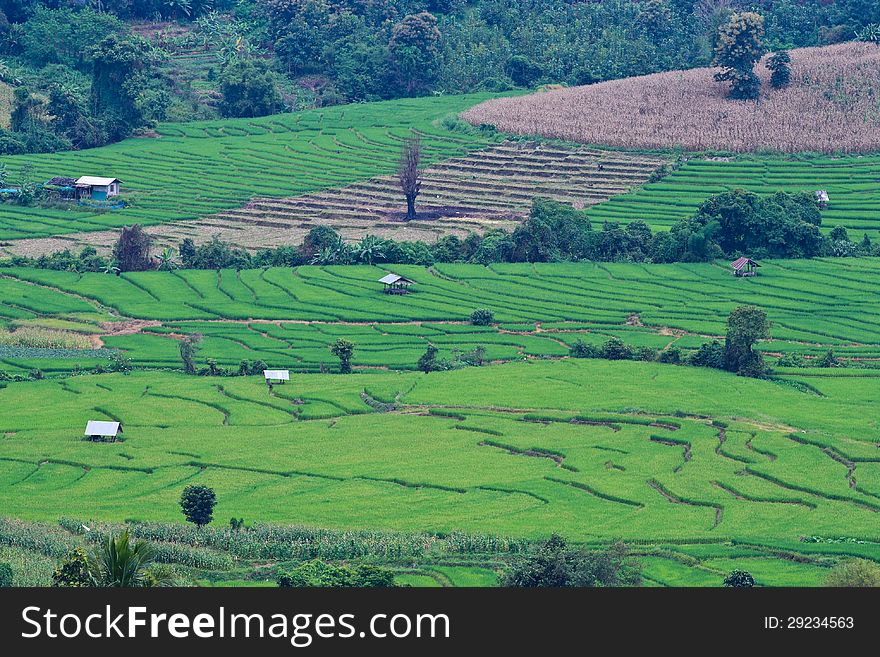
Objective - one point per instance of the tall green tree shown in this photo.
(745, 326)
(780, 69)
(248, 89)
(739, 46)
(197, 503)
(344, 350)
(120, 82)
(414, 50)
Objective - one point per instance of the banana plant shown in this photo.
(168, 259)
(111, 267)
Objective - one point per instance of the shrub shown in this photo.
(428, 361)
(830, 360)
(615, 349)
(670, 355)
(739, 579)
(793, 359)
(73, 571)
(855, 573)
(317, 573)
(645, 353)
(482, 317)
(710, 354)
(343, 349)
(5, 575)
(581, 349)
(555, 564)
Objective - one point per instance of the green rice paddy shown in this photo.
(851, 183)
(698, 470)
(287, 318)
(195, 169)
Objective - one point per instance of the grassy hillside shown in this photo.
(196, 169)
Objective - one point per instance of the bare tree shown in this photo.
(409, 174)
(132, 250)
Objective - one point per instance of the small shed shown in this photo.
(744, 267)
(100, 430)
(276, 376)
(65, 187)
(97, 189)
(822, 198)
(395, 284)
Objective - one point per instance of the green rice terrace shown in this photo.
(445, 476)
(851, 183)
(266, 181)
(196, 169)
(288, 317)
(698, 470)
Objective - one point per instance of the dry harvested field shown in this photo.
(490, 188)
(830, 107)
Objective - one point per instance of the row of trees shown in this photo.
(781, 225)
(388, 48)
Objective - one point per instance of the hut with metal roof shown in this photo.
(744, 267)
(395, 284)
(103, 431)
(276, 376)
(97, 188)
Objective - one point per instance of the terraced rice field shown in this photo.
(852, 183)
(197, 169)
(288, 317)
(488, 188)
(716, 468)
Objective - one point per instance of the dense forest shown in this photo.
(81, 73)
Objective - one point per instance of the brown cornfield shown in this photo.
(831, 106)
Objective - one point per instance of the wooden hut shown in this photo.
(104, 431)
(395, 284)
(744, 267)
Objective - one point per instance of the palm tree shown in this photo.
(118, 562)
(167, 259)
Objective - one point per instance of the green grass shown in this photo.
(195, 169)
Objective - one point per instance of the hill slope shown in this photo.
(830, 106)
